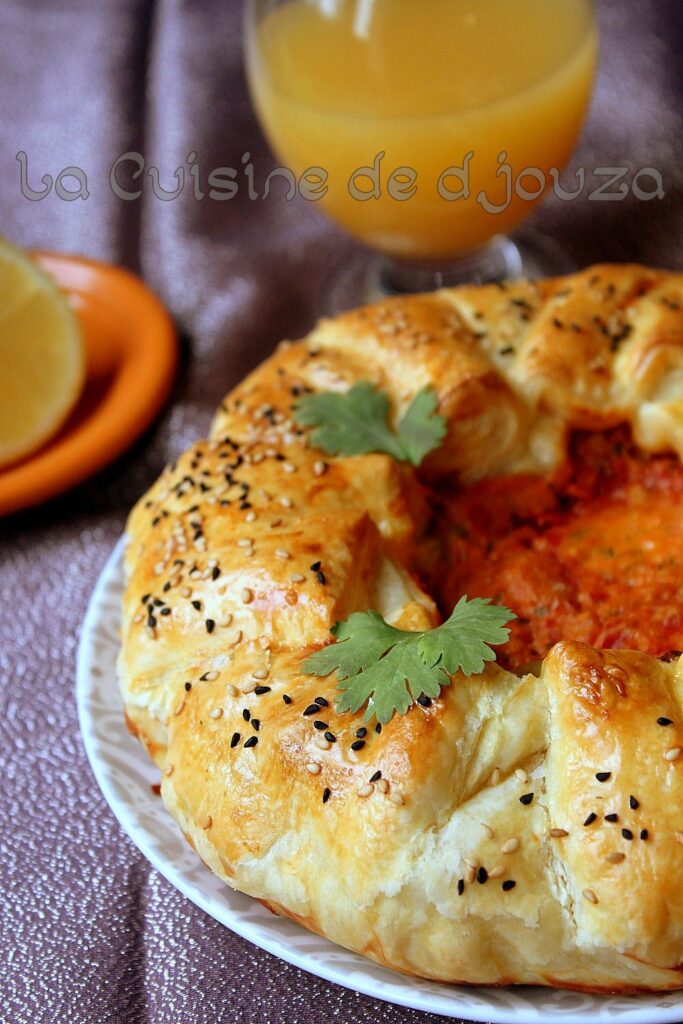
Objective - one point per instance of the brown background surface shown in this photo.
(91, 933)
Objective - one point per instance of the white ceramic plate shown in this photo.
(125, 777)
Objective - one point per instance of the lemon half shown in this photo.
(42, 356)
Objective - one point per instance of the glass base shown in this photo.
(369, 277)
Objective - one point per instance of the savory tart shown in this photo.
(403, 634)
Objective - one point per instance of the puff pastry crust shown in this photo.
(517, 830)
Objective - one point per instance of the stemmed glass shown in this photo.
(428, 129)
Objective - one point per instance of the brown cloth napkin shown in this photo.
(90, 932)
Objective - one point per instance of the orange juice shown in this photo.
(336, 82)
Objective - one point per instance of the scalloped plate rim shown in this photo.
(247, 918)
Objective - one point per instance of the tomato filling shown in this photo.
(592, 553)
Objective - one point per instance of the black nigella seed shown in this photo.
(326, 794)
(633, 803)
(378, 728)
(315, 566)
(626, 833)
(165, 611)
(312, 709)
(145, 598)
(603, 776)
(590, 819)
(166, 587)
(320, 576)
(246, 714)
(216, 573)
(197, 605)
(256, 724)
(210, 625)
(235, 739)
(320, 726)
(330, 737)
(612, 817)
(286, 698)
(188, 686)
(482, 876)
(260, 690)
(151, 621)
(508, 884)
(376, 776)
(664, 721)
(644, 833)
(361, 733)
(321, 702)
(357, 744)
(423, 701)
(461, 886)
(251, 742)
(526, 799)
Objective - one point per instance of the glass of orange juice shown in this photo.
(428, 129)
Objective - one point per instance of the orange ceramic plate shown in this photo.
(132, 355)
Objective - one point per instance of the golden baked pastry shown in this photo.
(520, 828)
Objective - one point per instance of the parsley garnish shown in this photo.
(356, 423)
(390, 668)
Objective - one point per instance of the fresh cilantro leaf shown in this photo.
(388, 668)
(356, 423)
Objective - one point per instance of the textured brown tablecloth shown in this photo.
(89, 932)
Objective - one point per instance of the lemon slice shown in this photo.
(42, 356)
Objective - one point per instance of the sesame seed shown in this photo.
(313, 767)
(521, 775)
(471, 873)
(248, 687)
(679, 837)
(495, 777)
(589, 895)
(260, 673)
(250, 516)
(508, 884)
(558, 833)
(326, 795)
(169, 769)
(626, 833)
(367, 790)
(603, 776)
(215, 712)
(633, 803)
(210, 676)
(526, 799)
(296, 577)
(179, 708)
(616, 858)
(383, 786)
(673, 753)
(235, 739)
(244, 542)
(319, 467)
(322, 743)
(590, 819)
(185, 592)
(487, 830)
(282, 553)
(289, 467)
(497, 872)
(251, 742)
(207, 823)
(247, 595)
(358, 745)
(664, 721)
(510, 846)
